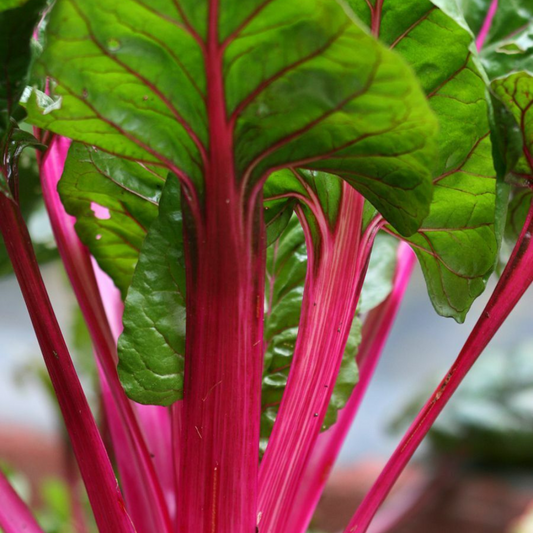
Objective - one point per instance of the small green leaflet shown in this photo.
(114, 201)
(151, 349)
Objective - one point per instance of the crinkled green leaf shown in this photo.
(152, 346)
(456, 245)
(114, 201)
(349, 106)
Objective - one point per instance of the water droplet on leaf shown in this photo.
(113, 44)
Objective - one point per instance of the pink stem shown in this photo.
(513, 283)
(224, 250)
(376, 329)
(482, 36)
(97, 473)
(331, 293)
(14, 514)
(144, 496)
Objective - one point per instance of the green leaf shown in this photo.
(517, 213)
(456, 245)
(509, 43)
(516, 93)
(277, 215)
(16, 29)
(114, 201)
(152, 347)
(349, 106)
(17, 23)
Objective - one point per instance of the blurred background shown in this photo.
(475, 474)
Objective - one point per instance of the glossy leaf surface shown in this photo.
(349, 105)
(114, 201)
(456, 245)
(152, 347)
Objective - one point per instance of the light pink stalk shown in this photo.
(102, 487)
(514, 281)
(332, 288)
(15, 516)
(144, 496)
(482, 36)
(376, 329)
(154, 420)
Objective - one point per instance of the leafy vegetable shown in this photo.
(456, 245)
(169, 128)
(206, 130)
(152, 348)
(508, 45)
(114, 201)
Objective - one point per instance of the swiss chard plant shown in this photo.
(253, 177)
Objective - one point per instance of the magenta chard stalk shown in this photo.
(336, 268)
(376, 329)
(224, 348)
(97, 473)
(142, 490)
(14, 514)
